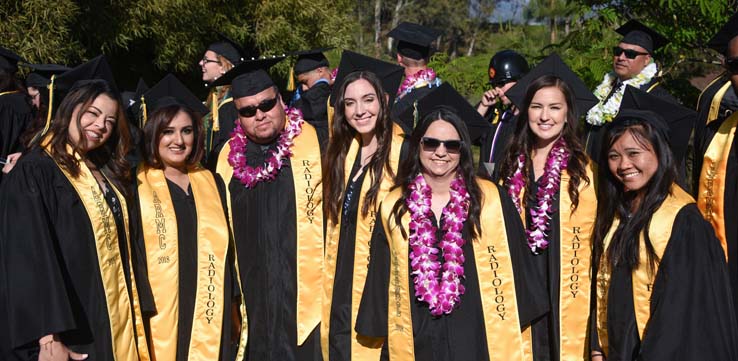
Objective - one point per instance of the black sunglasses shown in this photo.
(731, 64)
(264, 106)
(629, 53)
(431, 144)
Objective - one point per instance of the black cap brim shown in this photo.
(228, 49)
(635, 33)
(95, 69)
(171, 91)
(42, 73)
(389, 74)
(308, 60)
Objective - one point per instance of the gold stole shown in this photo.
(362, 347)
(306, 173)
(162, 254)
(659, 232)
(496, 283)
(128, 340)
(716, 99)
(711, 196)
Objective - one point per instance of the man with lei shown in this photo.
(413, 53)
(271, 166)
(632, 64)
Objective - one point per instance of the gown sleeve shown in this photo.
(691, 312)
(372, 318)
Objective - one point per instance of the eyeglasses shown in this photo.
(264, 106)
(629, 53)
(731, 64)
(206, 60)
(431, 144)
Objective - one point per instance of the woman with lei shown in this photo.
(365, 149)
(548, 176)
(662, 283)
(448, 277)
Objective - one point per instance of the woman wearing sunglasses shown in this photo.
(662, 285)
(365, 149)
(549, 178)
(448, 277)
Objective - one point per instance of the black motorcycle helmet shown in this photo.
(507, 66)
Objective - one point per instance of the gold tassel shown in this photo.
(291, 79)
(144, 116)
(214, 108)
(48, 112)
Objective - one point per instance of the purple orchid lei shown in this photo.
(250, 176)
(334, 74)
(424, 77)
(556, 162)
(444, 296)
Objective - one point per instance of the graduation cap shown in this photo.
(169, 91)
(553, 65)
(729, 31)
(249, 77)
(389, 74)
(445, 95)
(414, 40)
(9, 60)
(41, 75)
(635, 33)
(675, 121)
(228, 49)
(308, 60)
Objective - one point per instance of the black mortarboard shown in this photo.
(95, 69)
(171, 91)
(249, 77)
(414, 40)
(228, 48)
(41, 75)
(445, 95)
(553, 65)
(674, 120)
(634, 32)
(729, 31)
(9, 60)
(309, 60)
(389, 74)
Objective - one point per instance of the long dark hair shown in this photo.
(411, 167)
(615, 202)
(156, 124)
(343, 134)
(524, 139)
(110, 157)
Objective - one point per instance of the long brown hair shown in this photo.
(156, 124)
(523, 140)
(338, 146)
(110, 157)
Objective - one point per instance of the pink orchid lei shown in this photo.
(424, 77)
(444, 296)
(334, 74)
(250, 176)
(556, 162)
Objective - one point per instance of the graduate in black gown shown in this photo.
(313, 90)
(272, 171)
(183, 233)
(66, 286)
(459, 226)
(16, 112)
(370, 146)
(662, 287)
(551, 180)
(716, 155)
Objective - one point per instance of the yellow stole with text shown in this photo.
(362, 347)
(495, 274)
(659, 233)
(159, 223)
(575, 250)
(128, 339)
(306, 174)
(711, 196)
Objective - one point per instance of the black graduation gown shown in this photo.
(691, 317)
(407, 101)
(227, 115)
(314, 106)
(265, 230)
(186, 213)
(500, 134)
(49, 274)
(460, 335)
(16, 115)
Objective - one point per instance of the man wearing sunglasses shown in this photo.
(716, 150)
(505, 69)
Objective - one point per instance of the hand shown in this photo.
(51, 349)
(11, 160)
(489, 98)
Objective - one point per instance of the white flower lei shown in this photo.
(605, 112)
